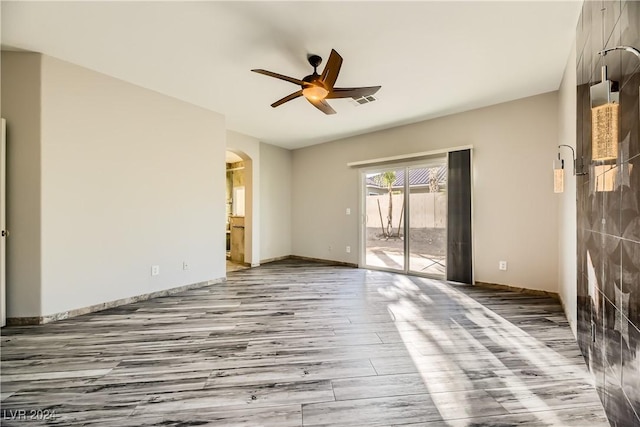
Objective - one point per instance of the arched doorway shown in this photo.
(239, 180)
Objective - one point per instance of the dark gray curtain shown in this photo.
(459, 266)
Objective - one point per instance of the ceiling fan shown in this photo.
(317, 88)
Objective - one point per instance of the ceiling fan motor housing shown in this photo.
(313, 79)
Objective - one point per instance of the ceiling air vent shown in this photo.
(363, 100)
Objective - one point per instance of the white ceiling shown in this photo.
(431, 58)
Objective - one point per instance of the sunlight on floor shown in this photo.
(440, 350)
(420, 263)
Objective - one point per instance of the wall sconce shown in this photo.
(605, 113)
(604, 119)
(558, 169)
(558, 175)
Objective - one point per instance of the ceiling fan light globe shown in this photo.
(315, 93)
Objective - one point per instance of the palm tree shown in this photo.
(434, 185)
(387, 179)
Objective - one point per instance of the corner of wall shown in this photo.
(276, 211)
(567, 219)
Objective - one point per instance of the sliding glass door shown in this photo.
(405, 224)
(384, 221)
(427, 219)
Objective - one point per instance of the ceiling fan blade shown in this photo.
(323, 106)
(352, 92)
(332, 69)
(287, 98)
(280, 76)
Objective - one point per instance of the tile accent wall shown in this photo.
(609, 214)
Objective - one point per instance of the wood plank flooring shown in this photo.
(295, 343)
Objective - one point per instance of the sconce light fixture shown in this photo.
(605, 111)
(558, 175)
(604, 119)
(558, 169)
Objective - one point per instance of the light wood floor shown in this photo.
(294, 343)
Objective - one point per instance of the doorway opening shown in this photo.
(405, 227)
(236, 212)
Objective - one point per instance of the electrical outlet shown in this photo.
(185, 265)
(330, 248)
(502, 265)
(348, 249)
(155, 270)
(348, 211)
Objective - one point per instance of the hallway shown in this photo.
(296, 343)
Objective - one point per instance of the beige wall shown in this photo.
(130, 179)
(275, 215)
(514, 208)
(21, 109)
(248, 148)
(567, 220)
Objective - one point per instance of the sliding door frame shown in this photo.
(427, 161)
(365, 166)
